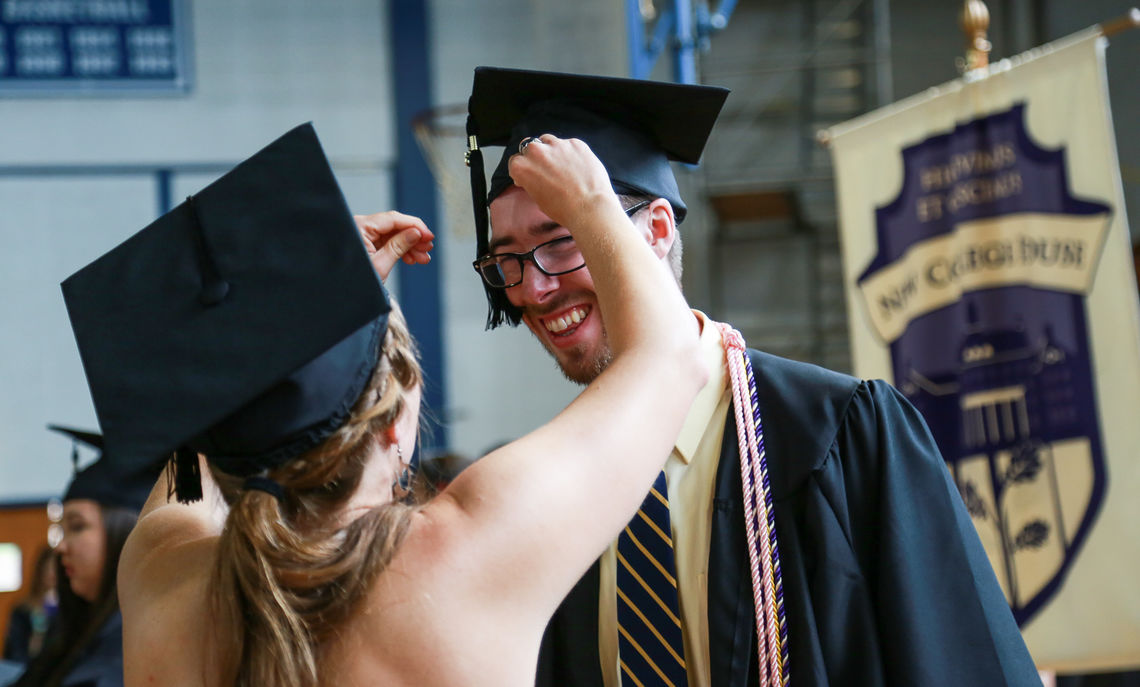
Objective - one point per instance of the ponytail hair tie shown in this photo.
(259, 483)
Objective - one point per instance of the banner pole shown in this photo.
(1125, 22)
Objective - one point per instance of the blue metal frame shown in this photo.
(163, 183)
(678, 26)
(420, 290)
(163, 174)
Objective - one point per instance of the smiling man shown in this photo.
(880, 578)
(557, 301)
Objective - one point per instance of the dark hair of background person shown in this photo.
(39, 586)
(79, 621)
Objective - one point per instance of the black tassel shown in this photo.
(499, 308)
(187, 476)
(478, 185)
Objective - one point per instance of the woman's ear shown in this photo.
(662, 227)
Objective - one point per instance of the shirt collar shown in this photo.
(709, 397)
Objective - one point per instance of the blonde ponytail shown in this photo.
(288, 572)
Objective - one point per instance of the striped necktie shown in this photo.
(650, 643)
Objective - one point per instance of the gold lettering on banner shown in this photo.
(1026, 249)
(972, 163)
(977, 177)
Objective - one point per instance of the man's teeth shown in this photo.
(571, 318)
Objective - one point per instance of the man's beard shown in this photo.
(590, 369)
(582, 370)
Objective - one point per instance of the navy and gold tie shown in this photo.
(650, 644)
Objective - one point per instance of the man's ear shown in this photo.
(662, 227)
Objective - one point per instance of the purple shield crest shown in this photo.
(978, 288)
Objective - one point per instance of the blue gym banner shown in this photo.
(75, 47)
(989, 276)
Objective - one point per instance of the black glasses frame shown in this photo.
(528, 256)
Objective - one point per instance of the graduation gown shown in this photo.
(885, 581)
(100, 664)
(21, 627)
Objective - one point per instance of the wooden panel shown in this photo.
(26, 526)
(755, 205)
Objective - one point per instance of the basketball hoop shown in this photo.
(441, 133)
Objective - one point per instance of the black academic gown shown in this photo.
(20, 630)
(885, 581)
(100, 664)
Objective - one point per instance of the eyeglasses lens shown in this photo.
(558, 256)
(494, 271)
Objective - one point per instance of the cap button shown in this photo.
(214, 293)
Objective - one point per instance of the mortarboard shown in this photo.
(243, 324)
(635, 128)
(99, 481)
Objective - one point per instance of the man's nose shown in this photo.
(536, 285)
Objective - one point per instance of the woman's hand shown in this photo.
(390, 237)
(563, 176)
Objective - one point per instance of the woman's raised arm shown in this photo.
(518, 528)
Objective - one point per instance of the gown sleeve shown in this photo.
(940, 616)
(19, 634)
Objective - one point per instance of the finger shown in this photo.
(401, 221)
(419, 253)
(393, 250)
(403, 242)
(516, 168)
(381, 224)
(416, 258)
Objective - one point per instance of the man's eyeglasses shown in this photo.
(553, 258)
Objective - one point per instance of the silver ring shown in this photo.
(524, 143)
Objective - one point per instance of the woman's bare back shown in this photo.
(427, 623)
(417, 627)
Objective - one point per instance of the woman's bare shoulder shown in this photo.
(164, 541)
(165, 602)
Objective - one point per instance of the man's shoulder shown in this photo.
(802, 408)
(802, 380)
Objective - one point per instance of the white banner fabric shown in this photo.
(988, 275)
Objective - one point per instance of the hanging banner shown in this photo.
(988, 275)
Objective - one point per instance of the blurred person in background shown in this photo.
(28, 624)
(439, 471)
(85, 644)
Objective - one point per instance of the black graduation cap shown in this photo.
(243, 324)
(635, 128)
(99, 481)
